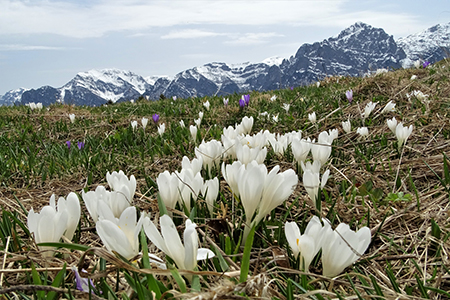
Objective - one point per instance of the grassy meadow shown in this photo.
(400, 193)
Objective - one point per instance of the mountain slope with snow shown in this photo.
(13, 96)
(432, 44)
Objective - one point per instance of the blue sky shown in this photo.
(47, 42)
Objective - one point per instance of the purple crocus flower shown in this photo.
(68, 144)
(242, 103)
(349, 95)
(82, 283)
(80, 145)
(155, 118)
(246, 99)
(292, 88)
(426, 64)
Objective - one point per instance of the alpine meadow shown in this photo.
(334, 190)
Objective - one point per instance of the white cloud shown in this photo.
(189, 34)
(20, 47)
(95, 18)
(252, 38)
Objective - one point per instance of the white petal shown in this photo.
(190, 238)
(204, 253)
(154, 236)
(175, 248)
(115, 239)
(292, 233)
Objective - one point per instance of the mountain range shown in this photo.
(355, 51)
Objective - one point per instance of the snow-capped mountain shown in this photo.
(353, 52)
(430, 45)
(95, 87)
(12, 96)
(214, 79)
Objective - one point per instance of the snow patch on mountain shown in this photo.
(12, 97)
(431, 45)
(273, 61)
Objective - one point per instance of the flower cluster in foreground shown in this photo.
(340, 247)
(239, 158)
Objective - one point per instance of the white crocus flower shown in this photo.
(306, 245)
(48, 225)
(342, 248)
(279, 143)
(144, 122)
(182, 125)
(39, 105)
(168, 188)
(277, 188)
(275, 118)
(347, 126)
(189, 186)
(120, 183)
(229, 147)
(161, 129)
(193, 129)
(369, 108)
(332, 135)
(300, 149)
(72, 118)
(119, 235)
(92, 198)
(286, 107)
(417, 64)
(413, 77)
(321, 151)
(402, 133)
(72, 206)
(195, 164)
(206, 104)
(231, 175)
(251, 183)
(390, 107)
(210, 191)
(264, 115)
(312, 117)
(247, 124)
(134, 125)
(185, 256)
(273, 98)
(419, 95)
(198, 122)
(311, 179)
(260, 192)
(200, 115)
(211, 153)
(392, 124)
(245, 154)
(362, 131)
(327, 137)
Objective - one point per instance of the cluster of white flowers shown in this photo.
(340, 247)
(34, 106)
(54, 221)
